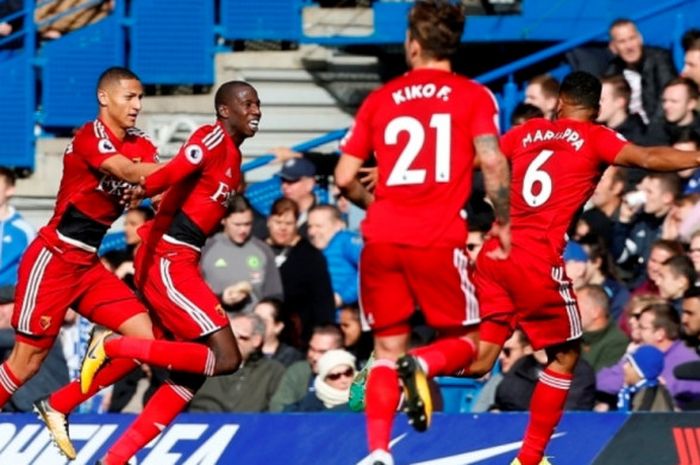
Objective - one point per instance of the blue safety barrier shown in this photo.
(261, 20)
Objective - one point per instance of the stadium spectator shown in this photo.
(251, 387)
(271, 311)
(599, 271)
(59, 17)
(646, 69)
(238, 267)
(689, 140)
(355, 340)
(336, 370)
(340, 247)
(694, 251)
(515, 391)
(691, 63)
(12, 26)
(308, 295)
(682, 217)
(542, 91)
(643, 391)
(639, 224)
(606, 201)
(298, 176)
(516, 347)
(676, 276)
(123, 263)
(608, 378)
(298, 378)
(660, 326)
(523, 112)
(690, 321)
(614, 109)
(661, 250)
(603, 341)
(15, 231)
(575, 260)
(680, 98)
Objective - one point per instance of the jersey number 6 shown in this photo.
(534, 175)
(402, 174)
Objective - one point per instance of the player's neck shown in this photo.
(118, 131)
(441, 65)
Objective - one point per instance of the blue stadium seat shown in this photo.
(458, 394)
(261, 20)
(17, 121)
(172, 42)
(71, 66)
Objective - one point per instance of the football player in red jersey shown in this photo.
(60, 269)
(555, 168)
(199, 181)
(424, 128)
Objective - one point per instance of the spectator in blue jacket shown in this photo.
(340, 247)
(15, 232)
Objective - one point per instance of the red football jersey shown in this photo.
(421, 128)
(88, 199)
(200, 180)
(555, 168)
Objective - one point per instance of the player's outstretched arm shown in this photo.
(494, 166)
(125, 169)
(657, 158)
(346, 179)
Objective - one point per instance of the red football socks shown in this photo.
(69, 396)
(168, 401)
(382, 399)
(8, 384)
(189, 357)
(546, 408)
(446, 356)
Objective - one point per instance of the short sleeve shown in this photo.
(607, 143)
(358, 140)
(509, 142)
(485, 115)
(91, 148)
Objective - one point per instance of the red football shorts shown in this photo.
(527, 292)
(48, 285)
(395, 280)
(178, 295)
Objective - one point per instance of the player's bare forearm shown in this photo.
(657, 158)
(357, 194)
(494, 166)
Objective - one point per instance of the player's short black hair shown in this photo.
(225, 91)
(115, 74)
(581, 88)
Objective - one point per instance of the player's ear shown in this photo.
(222, 111)
(102, 97)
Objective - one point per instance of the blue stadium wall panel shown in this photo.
(71, 66)
(256, 19)
(317, 438)
(172, 42)
(17, 117)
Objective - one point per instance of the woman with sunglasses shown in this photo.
(336, 369)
